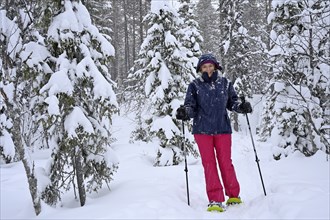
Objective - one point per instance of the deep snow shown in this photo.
(297, 187)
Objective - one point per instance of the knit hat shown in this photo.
(208, 58)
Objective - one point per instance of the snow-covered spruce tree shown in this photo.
(165, 70)
(10, 47)
(7, 147)
(190, 36)
(237, 46)
(100, 14)
(236, 49)
(135, 98)
(189, 31)
(20, 77)
(208, 25)
(296, 115)
(80, 103)
(254, 20)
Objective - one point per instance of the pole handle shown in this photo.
(242, 99)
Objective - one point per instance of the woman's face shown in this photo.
(208, 67)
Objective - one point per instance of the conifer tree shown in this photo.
(7, 146)
(208, 24)
(22, 60)
(100, 14)
(235, 47)
(79, 102)
(189, 31)
(190, 36)
(296, 115)
(164, 69)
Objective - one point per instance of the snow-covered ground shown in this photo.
(297, 187)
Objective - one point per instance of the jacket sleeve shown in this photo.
(232, 103)
(190, 101)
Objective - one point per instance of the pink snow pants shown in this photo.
(216, 150)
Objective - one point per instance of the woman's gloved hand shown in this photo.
(244, 108)
(182, 114)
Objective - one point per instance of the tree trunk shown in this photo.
(147, 7)
(115, 37)
(14, 114)
(268, 26)
(236, 126)
(221, 19)
(141, 22)
(32, 180)
(134, 35)
(126, 43)
(80, 176)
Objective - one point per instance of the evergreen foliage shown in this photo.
(56, 90)
(239, 50)
(207, 19)
(20, 79)
(296, 115)
(189, 31)
(164, 72)
(80, 104)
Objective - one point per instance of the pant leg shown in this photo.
(227, 170)
(214, 188)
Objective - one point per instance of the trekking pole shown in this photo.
(255, 152)
(185, 162)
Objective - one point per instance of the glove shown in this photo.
(244, 108)
(181, 114)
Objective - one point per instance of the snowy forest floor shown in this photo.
(297, 187)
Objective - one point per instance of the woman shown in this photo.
(207, 100)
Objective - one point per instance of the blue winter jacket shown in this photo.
(207, 101)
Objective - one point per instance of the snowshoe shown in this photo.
(233, 201)
(215, 207)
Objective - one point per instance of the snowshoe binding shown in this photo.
(233, 201)
(215, 207)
